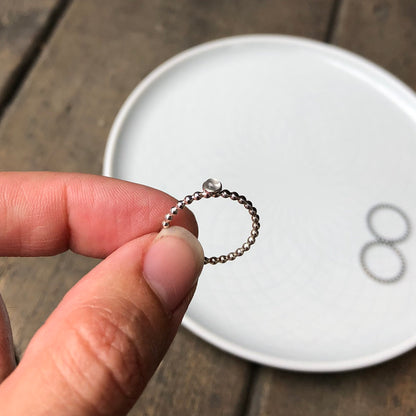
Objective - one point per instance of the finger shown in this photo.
(7, 359)
(98, 349)
(44, 213)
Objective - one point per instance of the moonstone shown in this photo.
(212, 185)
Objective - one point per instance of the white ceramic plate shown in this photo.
(314, 136)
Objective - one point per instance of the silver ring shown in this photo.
(212, 188)
(364, 265)
(392, 208)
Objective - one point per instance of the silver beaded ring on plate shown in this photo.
(370, 273)
(212, 188)
(393, 208)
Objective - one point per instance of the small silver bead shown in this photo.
(256, 225)
(239, 252)
(248, 205)
(180, 204)
(246, 246)
(231, 256)
(234, 196)
(174, 210)
(225, 193)
(252, 211)
(168, 217)
(254, 233)
(223, 259)
(188, 199)
(255, 218)
(165, 224)
(251, 240)
(197, 196)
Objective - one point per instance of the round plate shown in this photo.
(315, 136)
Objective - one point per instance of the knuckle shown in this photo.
(111, 342)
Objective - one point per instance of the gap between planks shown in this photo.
(31, 55)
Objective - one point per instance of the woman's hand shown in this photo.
(98, 349)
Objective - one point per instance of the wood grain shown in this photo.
(188, 368)
(60, 120)
(385, 32)
(22, 23)
(387, 389)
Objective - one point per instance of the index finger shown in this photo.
(45, 213)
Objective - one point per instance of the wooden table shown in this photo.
(65, 69)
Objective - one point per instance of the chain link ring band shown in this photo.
(212, 188)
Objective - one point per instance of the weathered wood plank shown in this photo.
(387, 389)
(21, 25)
(60, 121)
(32, 288)
(191, 384)
(385, 32)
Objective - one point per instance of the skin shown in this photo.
(98, 349)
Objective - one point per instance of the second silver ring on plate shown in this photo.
(376, 234)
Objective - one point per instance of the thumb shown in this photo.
(98, 349)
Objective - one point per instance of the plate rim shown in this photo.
(328, 49)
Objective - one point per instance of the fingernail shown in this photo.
(172, 265)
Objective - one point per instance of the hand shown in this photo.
(97, 350)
